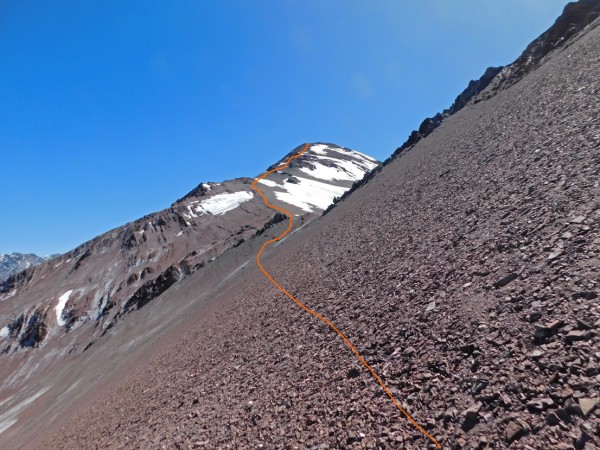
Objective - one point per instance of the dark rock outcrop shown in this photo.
(34, 331)
(152, 289)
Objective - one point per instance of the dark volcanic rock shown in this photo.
(152, 289)
(431, 123)
(34, 331)
(506, 280)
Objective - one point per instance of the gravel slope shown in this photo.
(467, 272)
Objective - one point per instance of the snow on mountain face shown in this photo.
(62, 301)
(324, 172)
(219, 204)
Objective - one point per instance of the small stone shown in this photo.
(430, 306)
(311, 419)
(353, 437)
(587, 405)
(567, 235)
(544, 331)
(578, 335)
(472, 413)
(563, 414)
(536, 354)
(578, 394)
(552, 419)
(409, 351)
(505, 280)
(555, 325)
(578, 219)
(513, 431)
(555, 254)
(565, 393)
(573, 408)
(353, 373)
(535, 405)
(547, 402)
(586, 295)
(584, 324)
(582, 439)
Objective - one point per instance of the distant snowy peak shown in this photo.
(16, 262)
(313, 180)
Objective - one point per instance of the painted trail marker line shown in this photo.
(306, 308)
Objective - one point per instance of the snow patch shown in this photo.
(310, 194)
(206, 186)
(338, 170)
(179, 234)
(220, 203)
(319, 149)
(4, 332)
(362, 156)
(268, 183)
(62, 301)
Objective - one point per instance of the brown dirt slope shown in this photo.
(467, 272)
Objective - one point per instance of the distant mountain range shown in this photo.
(17, 262)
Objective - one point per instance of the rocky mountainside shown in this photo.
(466, 272)
(97, 284)
(67, 306)
(16, 262)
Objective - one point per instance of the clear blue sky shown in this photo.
(110, 110)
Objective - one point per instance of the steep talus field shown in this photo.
(467, 272)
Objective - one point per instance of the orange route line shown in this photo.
(306, 308)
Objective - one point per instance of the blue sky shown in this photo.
(110, 110)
